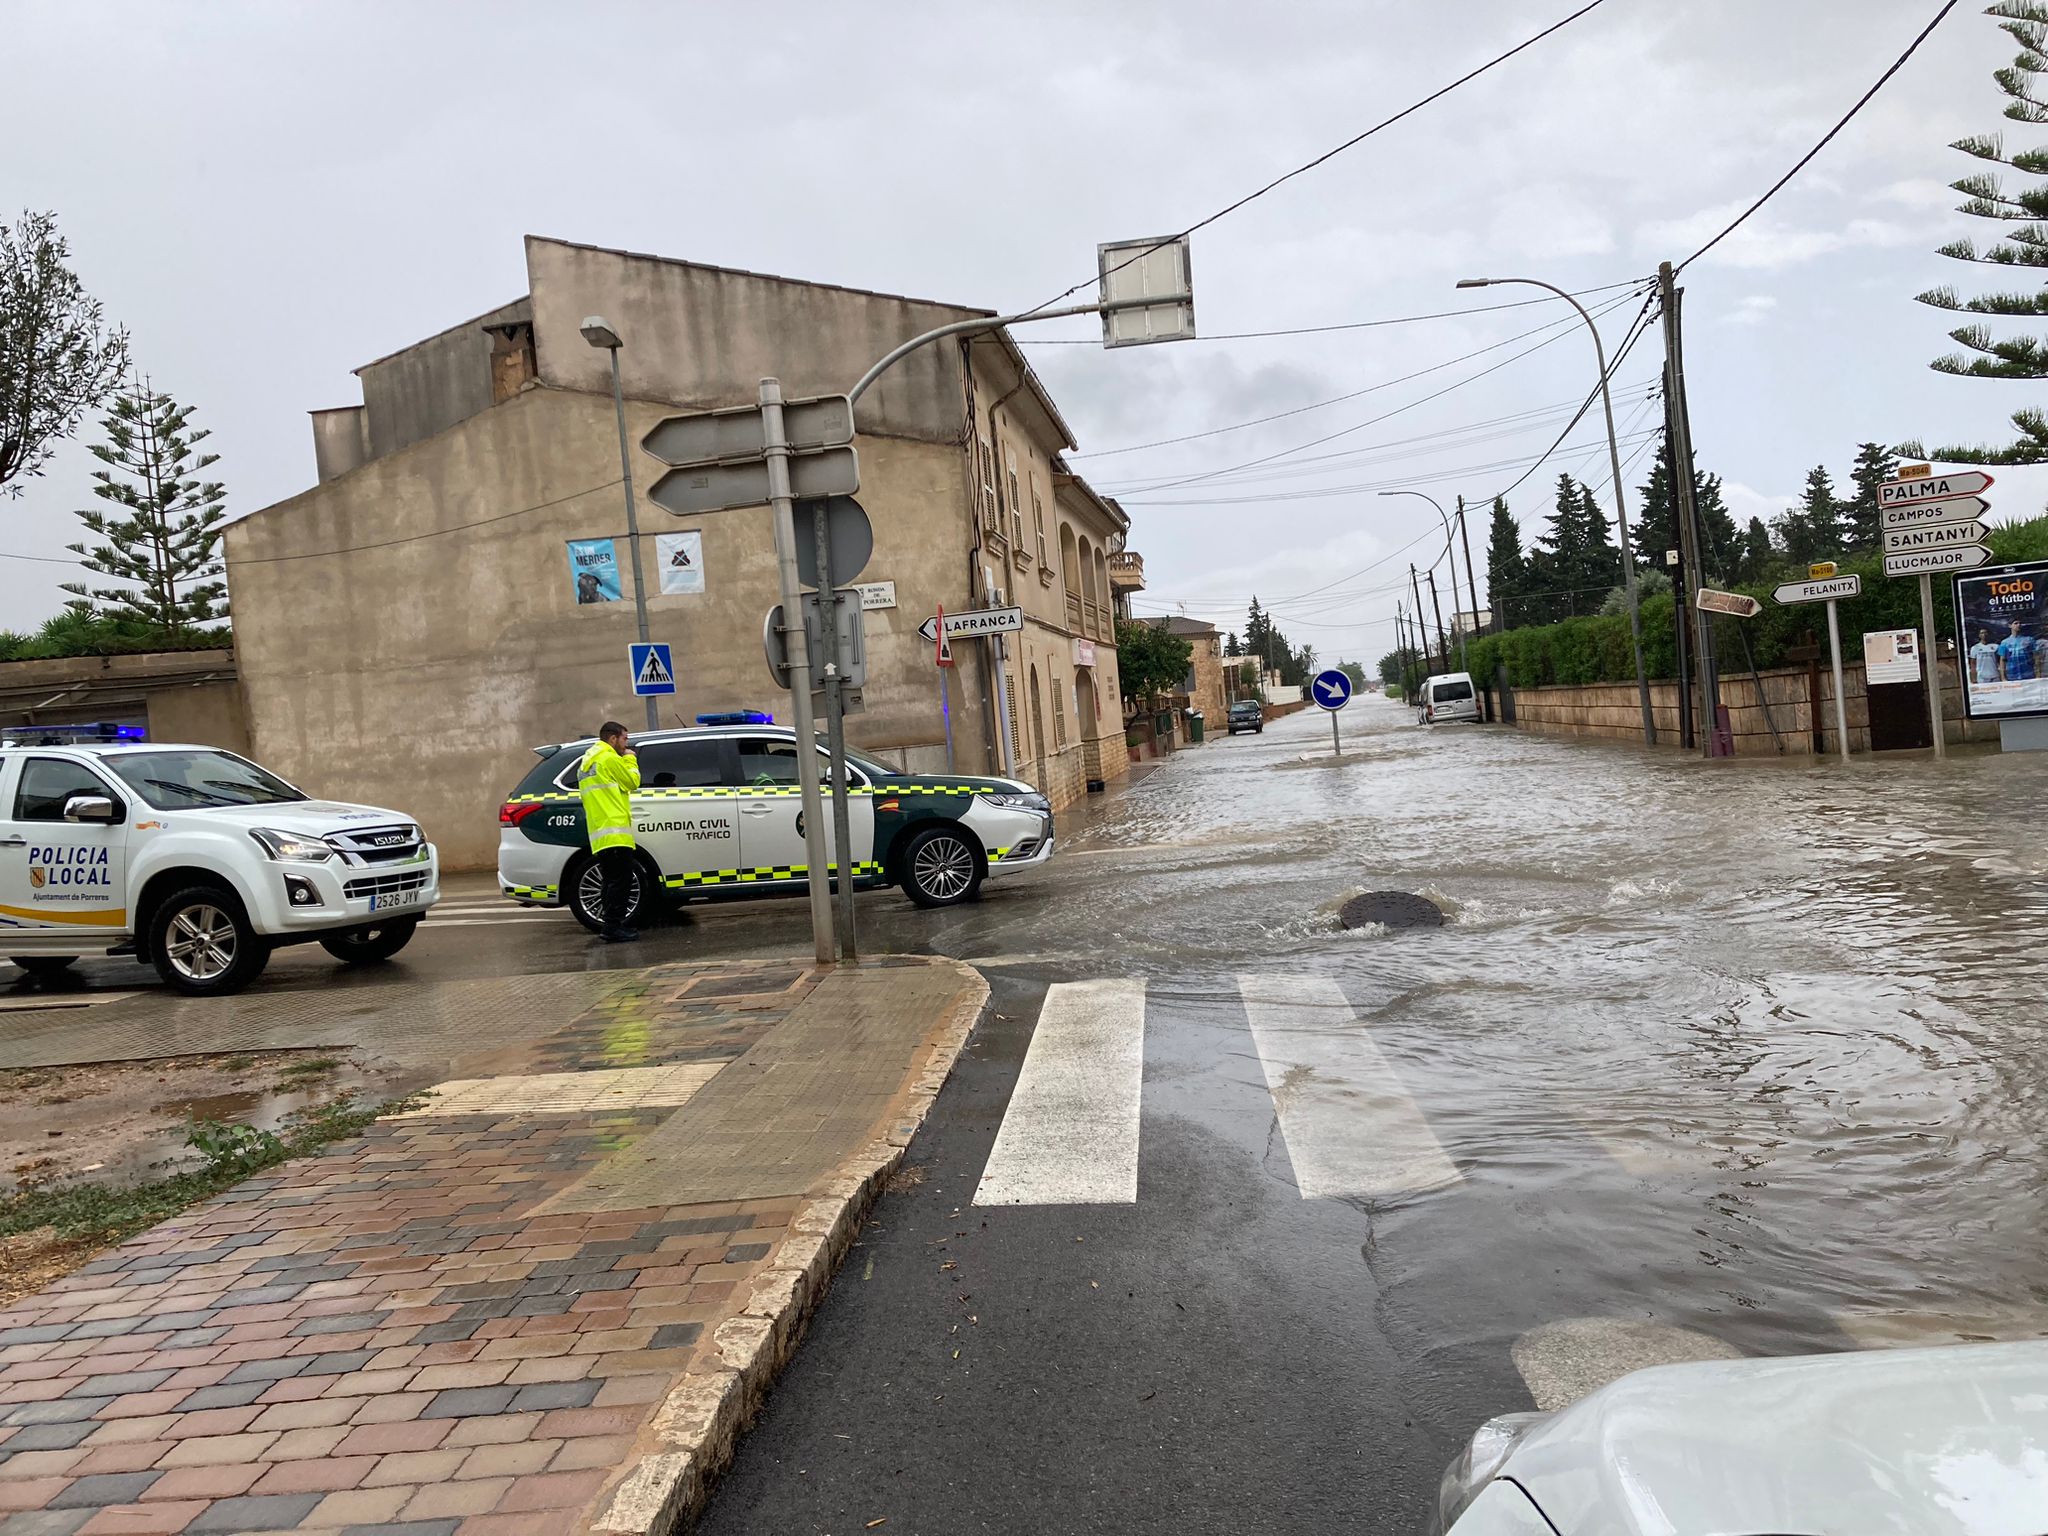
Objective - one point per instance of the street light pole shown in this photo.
(601, 335)
(1628, 559)
(1449, 554)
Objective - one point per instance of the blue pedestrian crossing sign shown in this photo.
(653, 672)
(1331, 689)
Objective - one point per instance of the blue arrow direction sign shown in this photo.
(1331, 689)
(653, 671)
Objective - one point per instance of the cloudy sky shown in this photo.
(268, 195)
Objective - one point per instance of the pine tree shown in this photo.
(1813, 530)
(1757, 557)
(1566, 547)
(1656, 529)
(1231, 647)
(1875, 464)
(1600, 566)
(1720, 539)
(165, 549)
(1507, 572)
(2024, 243)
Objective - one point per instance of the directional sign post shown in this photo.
(653, 670)
(1932, 523)
(1736, 604)
(972, 626)
(1332, 691)
(1829, 590)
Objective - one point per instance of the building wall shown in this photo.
(181, 696)
(433, 384)
(1207, 665)
(1754, 703)
(208, 714)
(419, 674)
(704, 336)
(341, 440)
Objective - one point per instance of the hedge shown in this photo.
(1596, 649)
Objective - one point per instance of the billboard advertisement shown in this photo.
(594, 567)
(2002, 619)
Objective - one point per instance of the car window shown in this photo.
(182, 780)
(47, 782)
(681, 764)
(1446, 691)
(770, 761)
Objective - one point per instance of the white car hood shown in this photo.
(308, 818)
(1932, 1442)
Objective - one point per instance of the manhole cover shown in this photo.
(1391, 909)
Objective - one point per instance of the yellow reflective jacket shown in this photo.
(606, 780)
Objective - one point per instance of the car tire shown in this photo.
(942, 867)
(46, 967)
(203, 944)
(370, 946)
(583, 894)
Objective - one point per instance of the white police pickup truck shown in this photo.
(196, 861)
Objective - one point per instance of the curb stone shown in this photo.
(697, 1428)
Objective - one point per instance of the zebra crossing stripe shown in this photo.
(1351, 1128)
(1070, 1135)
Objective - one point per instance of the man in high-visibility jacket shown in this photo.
(606, 779)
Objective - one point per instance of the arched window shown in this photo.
(1070, 570)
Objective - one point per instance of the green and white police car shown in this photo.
(719, 814)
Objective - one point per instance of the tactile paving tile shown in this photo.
(567, 1093)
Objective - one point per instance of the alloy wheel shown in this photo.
(202, 941)
(943, 868)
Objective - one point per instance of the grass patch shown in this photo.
(319, 1066)
(238, 1064)
(100, 1216)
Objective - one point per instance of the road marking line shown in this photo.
(1070, 1135)
(1351, 1128)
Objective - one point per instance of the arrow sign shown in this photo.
(1741, 606)
(1902, 493)
(1819, 591)
(971, 626)
(1900, 541)
(1332, 689)
(1925, 562)
(702, 488)
(711, 437)
(1919, 514)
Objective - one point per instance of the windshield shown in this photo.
(1448, 691)
(186, 780)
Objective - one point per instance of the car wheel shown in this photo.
(46, 967)
(367, 946)
(583, 886)
(941, 868)
(203, 943)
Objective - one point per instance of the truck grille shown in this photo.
(379, 845)
(384, 885)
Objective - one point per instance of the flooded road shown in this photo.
(1708, 1059)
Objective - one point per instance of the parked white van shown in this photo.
(1449, 696)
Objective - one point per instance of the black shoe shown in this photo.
(621, 935)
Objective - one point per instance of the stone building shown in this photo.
(1202, 689)
(408, 628)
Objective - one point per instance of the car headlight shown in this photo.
(1480, 1462)
(1011, 801)
(290, 845)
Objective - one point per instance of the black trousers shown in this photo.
(618, 867)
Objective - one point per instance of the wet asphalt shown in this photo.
(1727, 1058)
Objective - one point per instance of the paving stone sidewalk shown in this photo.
(426, 1330)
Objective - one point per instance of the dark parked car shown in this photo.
(1247, 715)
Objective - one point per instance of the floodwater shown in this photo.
(1752, 1048)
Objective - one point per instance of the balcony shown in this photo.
(1126, 572)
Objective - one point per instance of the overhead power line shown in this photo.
(1331, 154)
(1861, 102)
(1318, 330)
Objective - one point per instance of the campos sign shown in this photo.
(2002, 616)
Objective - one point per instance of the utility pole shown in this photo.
(1415, 588)
(1471, 578)
(1692, 562)
(1443, 640)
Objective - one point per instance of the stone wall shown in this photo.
(1754, 704)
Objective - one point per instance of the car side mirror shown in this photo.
(91, 808)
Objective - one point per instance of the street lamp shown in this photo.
(1463, 655)
(600, 335)
(1628, 559)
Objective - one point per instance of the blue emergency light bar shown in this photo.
(737, 717)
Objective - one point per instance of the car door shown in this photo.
(59, 875)
(771, 810)
(686, 813)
